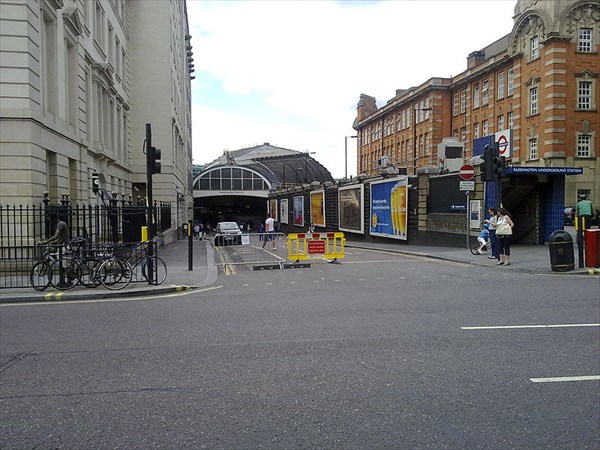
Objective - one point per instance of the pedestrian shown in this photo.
(493, 212)
(200, 231)
(270, 230)
(311, 228)
(196, 230)
(504, 226)
(483, 238)
(61, 235)
(584, 210)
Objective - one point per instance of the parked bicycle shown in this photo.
(40, 276)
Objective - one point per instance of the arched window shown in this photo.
(231, 179)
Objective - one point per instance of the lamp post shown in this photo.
(346, 154)
(415, 109)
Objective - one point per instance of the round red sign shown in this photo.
(466, 172)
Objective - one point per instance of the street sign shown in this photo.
(467, 185)
(503, 138)
(466, 172)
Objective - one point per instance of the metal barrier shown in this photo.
(303, 246)
(250, 249)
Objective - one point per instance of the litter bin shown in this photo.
(592, 248)
(562, 258)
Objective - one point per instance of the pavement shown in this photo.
(524, 258)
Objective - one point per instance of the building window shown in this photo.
(584, 146)
(584, 95)
(484, 128)
(463, 101)
(534, 49)
(484, 92)
(463, 134)
(533, 101)
(500, 85)
(476, 95)
(533, 148)
(455, 105)
(500, 123)
(511, 81)
(510, 119)
(476, 131)
(585, 43)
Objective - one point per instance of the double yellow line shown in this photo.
(228, 267)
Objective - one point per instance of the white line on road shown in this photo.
(515, 327)
(561, 379)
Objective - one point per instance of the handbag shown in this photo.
(503, 229)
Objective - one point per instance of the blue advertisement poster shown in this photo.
(389, 208)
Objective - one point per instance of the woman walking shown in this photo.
(492, 221)
(504, 226)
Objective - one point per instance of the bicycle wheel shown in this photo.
(66, 273)
(40, 276)
(474, 249)
(159, 270)
(88, 277)
(114, 274)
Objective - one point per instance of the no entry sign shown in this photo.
(466, 172)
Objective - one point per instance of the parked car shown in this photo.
(228, 233)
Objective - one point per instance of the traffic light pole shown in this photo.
(149, 221)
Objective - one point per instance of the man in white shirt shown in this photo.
(269, 229)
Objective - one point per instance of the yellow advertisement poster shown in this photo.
(317, 208)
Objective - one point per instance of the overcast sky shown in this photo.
(291, 72)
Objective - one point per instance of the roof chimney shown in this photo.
(475, 59)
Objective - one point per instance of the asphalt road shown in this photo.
(380, 351)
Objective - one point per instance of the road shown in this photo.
(380, 351)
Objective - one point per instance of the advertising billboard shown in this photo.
(351, 216)
(317, 208)
(283, 210)
(389, 208)
(298, 211)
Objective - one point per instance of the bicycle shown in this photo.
(474, 248)
(154, 268)
(40, 276)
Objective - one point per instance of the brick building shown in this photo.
(538, 86)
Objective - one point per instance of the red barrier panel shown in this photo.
(592, 248)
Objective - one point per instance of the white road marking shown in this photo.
(562, 379)
(115, 300)
(516, 327)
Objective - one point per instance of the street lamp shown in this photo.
(415, 109)
(346, 154)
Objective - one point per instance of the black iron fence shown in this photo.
(22, 226)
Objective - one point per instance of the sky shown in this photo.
(291, 72)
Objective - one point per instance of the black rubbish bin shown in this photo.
(562, 258)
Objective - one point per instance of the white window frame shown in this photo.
(584, 145)
(534, 48)
(533, 149)
(500, 86)
(476, 96)
(511, 119)
(534, 101)
(584, 95)
(455, 104)
(484, 128)
(476, 130)
(511, 82)
(463, 101)
(586, 40)
(500, 126)
(484, 92)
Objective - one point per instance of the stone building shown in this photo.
(79, 79)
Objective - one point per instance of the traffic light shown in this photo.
(153, 160)
(499, 163)
(487, 172)
(95, 182)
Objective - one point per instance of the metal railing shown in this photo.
(250, 249)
